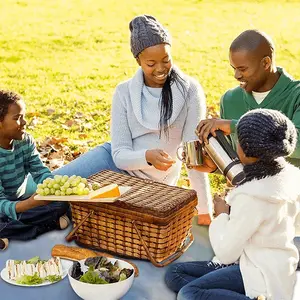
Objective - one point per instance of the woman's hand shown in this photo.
(220, 206)
(159, 159)
(205, 127)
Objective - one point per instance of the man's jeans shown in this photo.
(206, 280)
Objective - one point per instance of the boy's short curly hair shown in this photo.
(7, 98)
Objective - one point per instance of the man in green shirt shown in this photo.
(262, 85)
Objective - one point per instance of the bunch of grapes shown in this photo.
(64, 186)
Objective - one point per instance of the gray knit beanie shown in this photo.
(146, 31)
(266, 134)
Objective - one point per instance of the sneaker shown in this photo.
(64, 222)
(3, 244)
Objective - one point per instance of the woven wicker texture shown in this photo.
(147, 196)
(124, 226)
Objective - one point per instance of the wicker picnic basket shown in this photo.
(151, 221)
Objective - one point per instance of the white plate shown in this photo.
(65, 266)
(85, 198)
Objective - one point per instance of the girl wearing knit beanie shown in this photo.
(252, 235)
(152, 114)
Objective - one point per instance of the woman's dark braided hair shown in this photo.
(166, 100)
(7, 98)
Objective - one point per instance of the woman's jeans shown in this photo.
(91, 162)
(206, 280)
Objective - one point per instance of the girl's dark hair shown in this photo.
(166, 100)
(7, 98)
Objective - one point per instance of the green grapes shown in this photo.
(81, 185)
(63, 186)
(95, 186)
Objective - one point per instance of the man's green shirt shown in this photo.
(284, 96)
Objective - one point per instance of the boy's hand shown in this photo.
(159, 159)
(220, 206)
(30, 203)
(40, 202)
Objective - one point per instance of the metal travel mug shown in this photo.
(193, 153)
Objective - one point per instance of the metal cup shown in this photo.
(193, 153)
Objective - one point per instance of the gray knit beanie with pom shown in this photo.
(146, 32)
(266, 134)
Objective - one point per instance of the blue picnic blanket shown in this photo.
(148, 286)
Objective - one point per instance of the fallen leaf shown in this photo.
(69, 123)
(50, 111)
(83, 136)
(34, 121)
(65, 127)
(78, 115)
(54, 140)
(55, 163)
(78, 143)
(78, 121)
(88, 125)
(32, 114)
(55, 152)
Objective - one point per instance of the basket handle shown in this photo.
(169, 259)
(70, 236)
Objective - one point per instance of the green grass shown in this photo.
(69, 55)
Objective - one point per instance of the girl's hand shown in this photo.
(220, 206)
(159, 159)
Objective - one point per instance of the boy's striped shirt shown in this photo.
(15, 165)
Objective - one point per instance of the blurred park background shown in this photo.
(66, 57)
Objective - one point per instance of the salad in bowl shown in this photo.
(111, 278)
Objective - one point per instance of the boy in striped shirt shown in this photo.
(22, 217)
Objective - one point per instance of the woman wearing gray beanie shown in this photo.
(252, 235)
(152, 114)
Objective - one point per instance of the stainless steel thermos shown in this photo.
(226, 159)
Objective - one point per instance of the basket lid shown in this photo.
(146, 196)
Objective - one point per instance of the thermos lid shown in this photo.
(238, 179)
(223, 141)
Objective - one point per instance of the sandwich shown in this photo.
(16, 269)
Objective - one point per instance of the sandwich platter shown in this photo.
(35, 272)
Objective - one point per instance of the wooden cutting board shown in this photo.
(84, 198)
